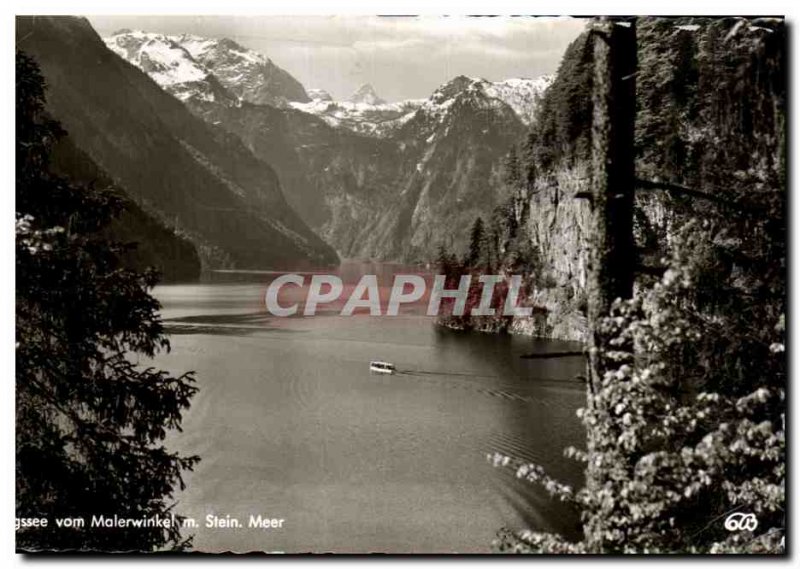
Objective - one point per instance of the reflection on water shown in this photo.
(290, 423)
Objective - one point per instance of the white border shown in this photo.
(299, 7)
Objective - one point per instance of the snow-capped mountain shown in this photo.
(366, 94)
(375, 179)
(362, 118)
(361, 115)
(319, 95)
(220, 70)
(364, 112)
(520, 94)
(207, 69)
(190, 176)
(248, 74)
(169, 64)
(479, 93)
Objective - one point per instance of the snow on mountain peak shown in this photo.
(222, 54)
(181, 63)
(167, 62)
(520, 94)
(319, 95)
(366, 94)
(221, 70)
(454, 87)
(380, 118)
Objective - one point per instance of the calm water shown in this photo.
(290, 424)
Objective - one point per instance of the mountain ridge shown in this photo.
(384, 180)
(201, 178)
(190, 66)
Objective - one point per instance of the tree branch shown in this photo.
(678, 190)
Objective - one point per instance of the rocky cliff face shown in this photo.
(557, 226)
(687, 127)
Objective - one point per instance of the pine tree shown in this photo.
(529, 169)
(90, 424)
(512, 168)
(476, 243)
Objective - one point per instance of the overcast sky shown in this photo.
(402, 57)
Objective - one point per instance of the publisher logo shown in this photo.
(741, 522)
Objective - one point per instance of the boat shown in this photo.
(381, 367)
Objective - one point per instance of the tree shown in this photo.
(476, 243)
(530, 168)
(511, 168)
(612, 254)
(685, 422)
(447, 264)
(90, 421)
(692, 428)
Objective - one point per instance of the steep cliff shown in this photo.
(694, 128)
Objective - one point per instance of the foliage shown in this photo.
(561, 130)
(688, 425)
(90, 421)
(691, 427)
(704, 86)
(496, 247)
(477, 243)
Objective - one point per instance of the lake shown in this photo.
(290, 424)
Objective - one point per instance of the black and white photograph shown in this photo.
(400, 284)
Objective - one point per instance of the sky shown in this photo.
(403, 57)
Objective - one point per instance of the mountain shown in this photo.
(222, 71)
(319, 95)
(381, 118)
(392, 187)
(366, 94)
(170, 65)
(522, 95)
(192, 176)
(248, 74)
(362, 118)
(376, 179)
(321, 167)
(452, 148)
(150, 242)
(205, 68)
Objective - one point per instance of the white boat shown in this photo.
(381, 367)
